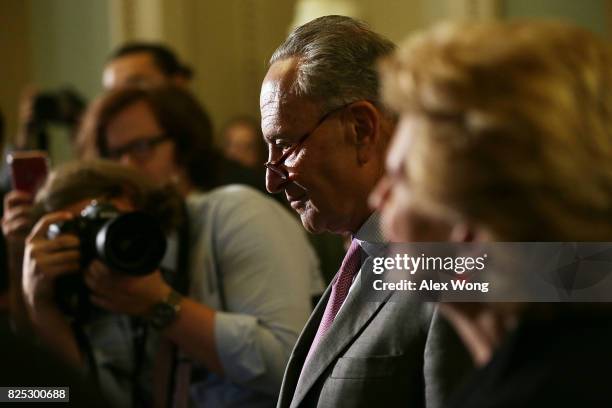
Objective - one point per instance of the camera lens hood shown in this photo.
(132, 243)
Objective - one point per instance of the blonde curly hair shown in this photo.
(514, 127)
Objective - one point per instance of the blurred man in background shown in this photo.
(145, 63)
(243, 142)
(153, 64)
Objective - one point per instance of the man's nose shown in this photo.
(274, 182)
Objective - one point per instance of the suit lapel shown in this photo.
(300, 350)
(355, 314)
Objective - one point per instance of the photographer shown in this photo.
(89, 343)
(250, 268)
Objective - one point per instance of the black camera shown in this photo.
(132, 243)
(63, 106)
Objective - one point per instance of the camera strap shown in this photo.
(179, 370)
(167, 363)
(139, 331)
(170, 368)
(181, 283)
(178, 391)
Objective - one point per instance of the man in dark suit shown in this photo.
(327, 135)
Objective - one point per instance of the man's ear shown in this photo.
(365, 130)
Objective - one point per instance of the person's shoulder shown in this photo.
(233, 199)
(236, 193)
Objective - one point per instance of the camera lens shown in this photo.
(131, 243)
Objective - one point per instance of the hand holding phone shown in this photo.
(16, 220)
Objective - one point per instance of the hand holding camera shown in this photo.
(129, 242)
(120, 293)
(118, 251)
(45, 260)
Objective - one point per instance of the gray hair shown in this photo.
(337, 58)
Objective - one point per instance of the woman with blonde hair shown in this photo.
(506, 135)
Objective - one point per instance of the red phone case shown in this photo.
(28, 170)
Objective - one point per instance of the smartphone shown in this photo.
(29, 169)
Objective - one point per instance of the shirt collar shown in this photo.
(370, 236)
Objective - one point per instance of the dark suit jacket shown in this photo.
(372, 356)
(561, 362)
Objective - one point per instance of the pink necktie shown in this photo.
(340, 288)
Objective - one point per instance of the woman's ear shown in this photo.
(467, 232)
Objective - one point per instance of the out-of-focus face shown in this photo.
(133, 69)
(324, 185)
(401, 219)
(135, 138)
(242, 145)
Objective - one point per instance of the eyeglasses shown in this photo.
(275, 166)
(139, 149)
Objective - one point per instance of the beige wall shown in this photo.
(592, 14)
(397, 19)
(15, 62)
(69, 43)
(228, 43)
(49, 44)
(232, 41)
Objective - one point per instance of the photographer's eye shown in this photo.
(141, 147)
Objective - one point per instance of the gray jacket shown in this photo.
(393, 352)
